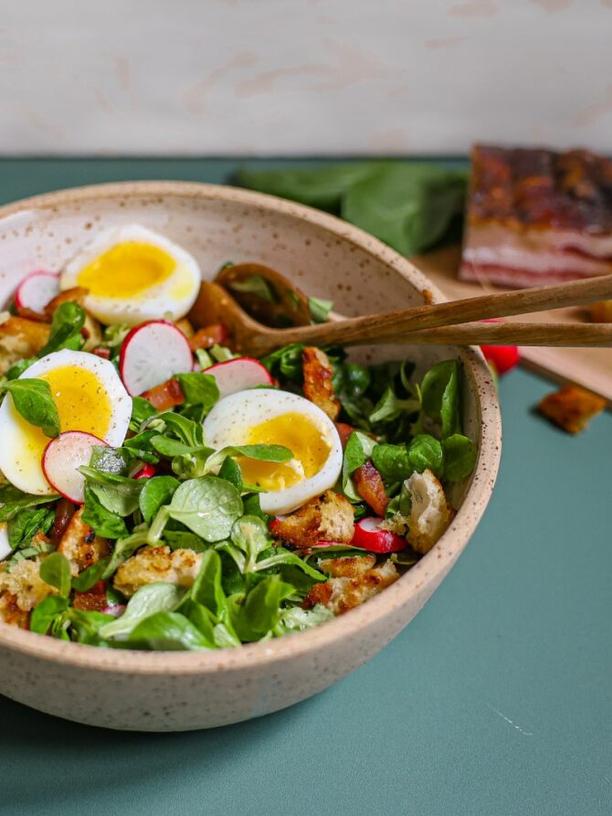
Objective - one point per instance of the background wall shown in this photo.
(290, 76)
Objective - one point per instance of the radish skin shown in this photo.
(152, 353)
(62, 458)
(239, 374)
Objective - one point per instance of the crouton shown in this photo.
(571, 408)
(152, 564)
(355, 581)
(94, 600)
(25, 584)
(328, 517)
(318, 386)
(369, 484)
(11, 613)
(80, 545)
(430, 514)
(19, 338)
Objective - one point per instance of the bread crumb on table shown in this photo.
(571, 408)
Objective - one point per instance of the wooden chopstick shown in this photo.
(568, 335)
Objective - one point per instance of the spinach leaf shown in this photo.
(459, 457)
(68, 320)
(425, 451)
(141, 411)
(167, 631)
(149, 599)
(17, 369)
(156, 491)
(104, 522)
(261, 609)
(108, 460)
(263, 453)
(13, 500)
(85, 625)
(440, 389)
(90, 576)
(32, 399)
(250, 535)
(46, 612)
(286, 362)
(203, 620)
(283, 557)
(319, 309)
(392, 462)
(207, 589)
(230, 470)
(389, 407)
(358, 449)
(117, 494)
(182, 428)
(208, 506)
(55, 571)
(184, 539)
(199, 389)
(25, 524)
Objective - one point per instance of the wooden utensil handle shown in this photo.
(378, 327)
(568, 335)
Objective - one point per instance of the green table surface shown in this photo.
(497, 699)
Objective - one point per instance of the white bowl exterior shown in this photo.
(329, 259)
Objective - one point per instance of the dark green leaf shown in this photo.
(167, 631)
(103, 522)
(208, 506)
(184, 539)
(156, 491)
(117, 494)
(68, 320)
(141, 411)
(202, 618)
(392, 462)
(146, 601)
(123, 549)
(32, 399)
(425, 451)
(12, 501)
(230, 470)
(25, 524)
(46, 612)
(207, 589)
(108, 460)
(85, 625)
(90, 576)
(17, 369)
(357, 451)
(440, 396)
(199, 389)
(459, 457)
(389, 407)
(260, 611)
(286, 362)
(55, 571)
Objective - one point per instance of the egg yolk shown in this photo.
(126, 270)
(81, 401)
(296, 432)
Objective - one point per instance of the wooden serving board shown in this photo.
(591, 368)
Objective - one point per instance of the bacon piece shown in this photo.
(94, 600)
(537, 216)
(571, 408)
(165, 396)
(370, 486)
(64, 511)
(344, 431)
(208, 336)
(318, 386)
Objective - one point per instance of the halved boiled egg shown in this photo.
(89, 397)
(134, 274)
(266, 416)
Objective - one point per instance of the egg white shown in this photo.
(5, 547)
(232, 417)
(17, 460)
(172, 298)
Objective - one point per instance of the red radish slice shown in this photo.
(238, 374)
(151, 353)
(61, 459)
(36, 290)
(145, 472)
(369, 536)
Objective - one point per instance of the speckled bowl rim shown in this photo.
(448, 547)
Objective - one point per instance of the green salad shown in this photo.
(162, 492)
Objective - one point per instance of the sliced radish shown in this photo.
(238, 374)
(151, 353)
(369, 536)
(36, 290)
(145, 472)
(61, 459)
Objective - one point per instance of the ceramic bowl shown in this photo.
(177, 691)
